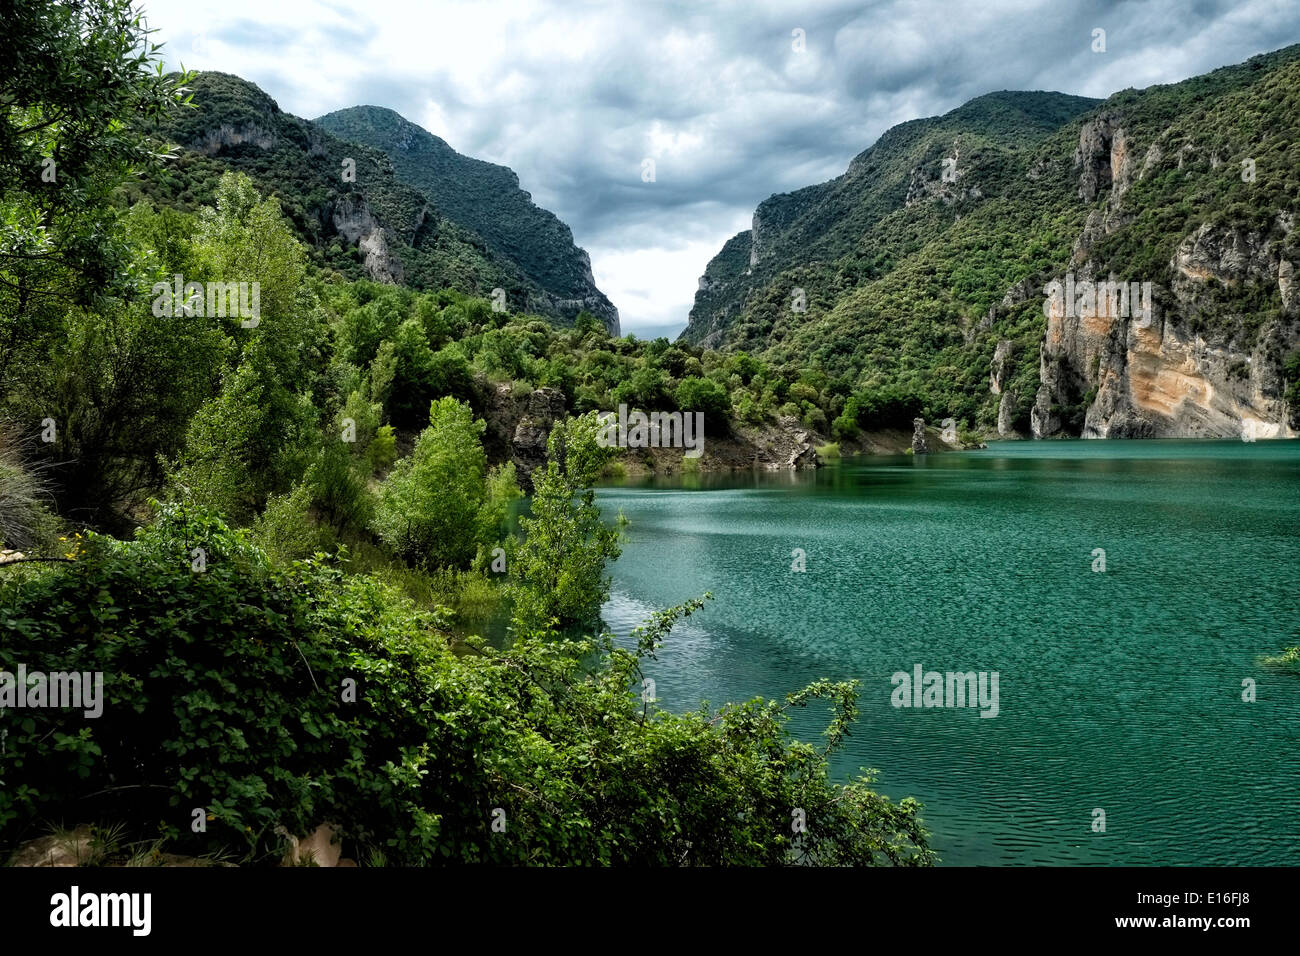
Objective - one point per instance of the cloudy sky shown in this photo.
(733, 101)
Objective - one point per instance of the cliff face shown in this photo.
(1175, 373)
(355, 223)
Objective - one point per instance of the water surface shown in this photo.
(1119, 690)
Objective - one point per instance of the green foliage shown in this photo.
(695, 394)
(285, 529)
(216, 469)
(230, 690)
(559, 573)
(338, 488)
(1289, 659)
(434, 509)
(75, 79)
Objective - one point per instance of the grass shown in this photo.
(26, 522)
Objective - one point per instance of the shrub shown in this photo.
(285, 529)
(230, 691)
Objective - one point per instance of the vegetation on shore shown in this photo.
(263, 531)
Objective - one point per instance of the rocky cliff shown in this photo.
(1197, 366)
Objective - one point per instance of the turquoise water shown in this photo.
(1119, 690)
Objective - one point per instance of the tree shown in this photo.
(429, 508)
(696, 394)
(78, 84)
(560, 569)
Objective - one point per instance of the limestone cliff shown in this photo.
(1193, 368)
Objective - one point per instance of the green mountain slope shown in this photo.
(344, 199)
(485, 198)
(922, 268)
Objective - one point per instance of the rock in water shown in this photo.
(918, 437)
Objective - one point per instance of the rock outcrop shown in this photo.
(355, 223)
(228, 134)
(1164, 379)
(1190, 369)
(790, 446)
(1102, 147)
(919, 447)
(528, 447)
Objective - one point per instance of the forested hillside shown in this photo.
(345, 200)
(922, 269)
(486, 198)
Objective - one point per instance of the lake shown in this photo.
(1119, 690)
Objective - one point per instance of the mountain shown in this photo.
(485, 198)
(345, 199)
(926, 266)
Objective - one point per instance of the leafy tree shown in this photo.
(560, 569)
(76, 79)
(695, 394)
(338, 487)
(121, 386)
(215, 469)
(414, 374)
(429, 508)
(647, 388)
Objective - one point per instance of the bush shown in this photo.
(229, 694)
(285, 529)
